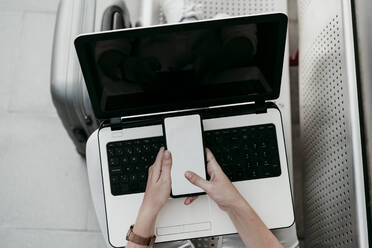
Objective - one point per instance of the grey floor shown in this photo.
(44, 194)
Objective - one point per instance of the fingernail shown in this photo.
(188, 175)
(166, 154)
(161, 149)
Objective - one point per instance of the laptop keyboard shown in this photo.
(247, 152)
(244, 153)
(129, 162)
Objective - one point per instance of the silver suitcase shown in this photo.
(69, 93)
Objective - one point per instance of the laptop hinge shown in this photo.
(115, 124)
(260, 106)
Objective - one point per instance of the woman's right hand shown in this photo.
(252, 230)
(219, 187)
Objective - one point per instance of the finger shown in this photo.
(149, 175)
(159, 157)
(190, 200)
(166, 165)
(212, 164)
(197, 180)
(210, 156)
(157, 165)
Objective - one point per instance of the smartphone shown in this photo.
(184, 139)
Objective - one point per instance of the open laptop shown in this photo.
(226, 70)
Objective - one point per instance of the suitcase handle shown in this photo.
(115, 17)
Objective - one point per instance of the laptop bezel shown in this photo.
(82, 41)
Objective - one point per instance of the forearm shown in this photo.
(144, 226)
(252, 230)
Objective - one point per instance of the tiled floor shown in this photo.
(44, 193)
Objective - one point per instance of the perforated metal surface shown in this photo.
(232, 7)
(236, 7)
(329, 207)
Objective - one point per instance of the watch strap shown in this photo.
(139, 240)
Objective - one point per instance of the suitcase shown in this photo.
(69, 93)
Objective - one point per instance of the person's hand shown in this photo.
(250, 227)
(156, 195)
(219, 187)
(158, 182)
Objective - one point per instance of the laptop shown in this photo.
(228, 71)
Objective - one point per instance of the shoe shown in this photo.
(181, 10)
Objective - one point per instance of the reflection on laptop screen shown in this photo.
(180, 65)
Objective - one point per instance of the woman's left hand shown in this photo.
(157, 193)
(158, 182)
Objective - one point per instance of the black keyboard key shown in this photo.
(142, 178)
(119, 151)
(128, 169)
(124, 161)
(138, 150)
(239, 174)
(144, 159)
(124, 187)
(130, 152)
(133, 178)
(115, 171)
(113, 162)
(124, 178)
(152, 158)
(111, 151)
(115, 179)
(118, 189)
(110, 146)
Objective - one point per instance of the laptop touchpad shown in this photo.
(175, 217)
(195, 227)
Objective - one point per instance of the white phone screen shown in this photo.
(184, 140)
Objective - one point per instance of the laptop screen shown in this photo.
(169, 67)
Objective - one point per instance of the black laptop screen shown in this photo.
(194, 64)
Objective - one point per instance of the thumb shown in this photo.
(166, 165)
(197, 180)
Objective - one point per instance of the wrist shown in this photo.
(147, 208)
(145, 222)
(237, 206)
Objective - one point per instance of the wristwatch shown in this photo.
(139, 240)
